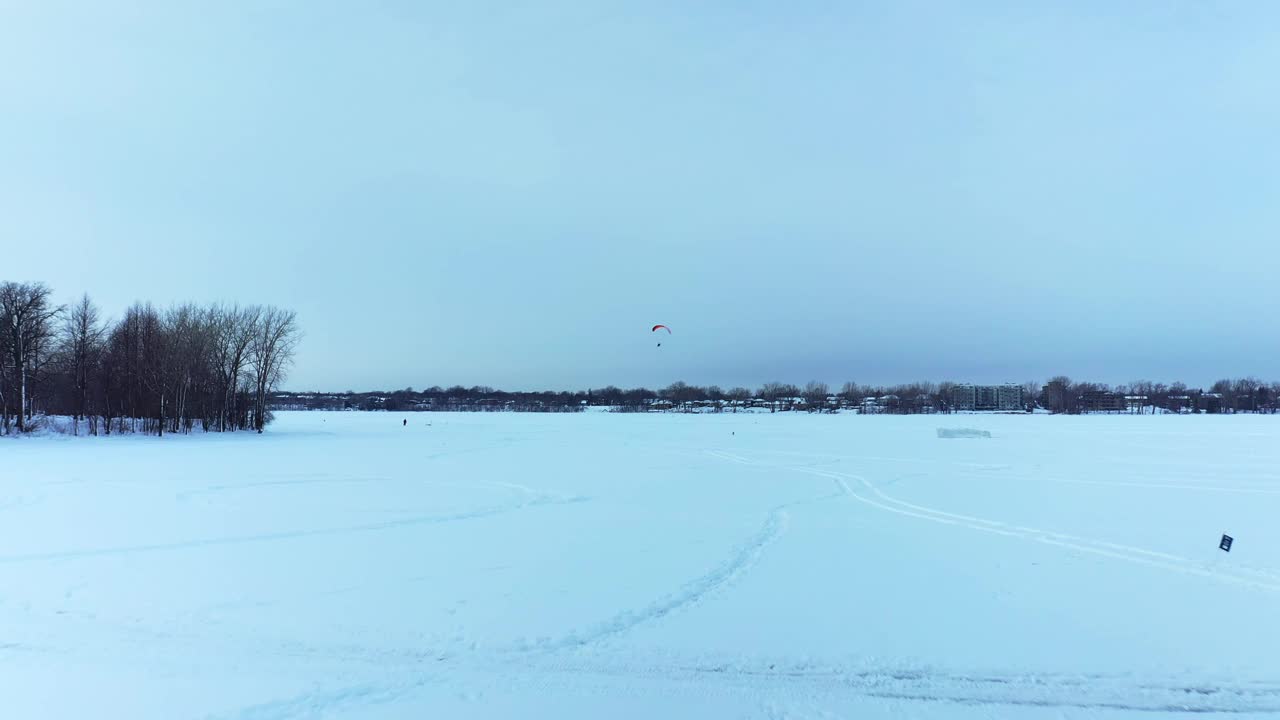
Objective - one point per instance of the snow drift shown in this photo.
(963, 433)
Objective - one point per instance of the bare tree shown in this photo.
(1227, 390)
(682, 395)
(1030, 391)
(236, 332)
(27, 317)
(1245, 391)
(272, 349)
(155, 355)
(815, 393)
(772, 392)
(82, 334)
(191, 336)
(850, 392)
(779, 395)
(738, 396)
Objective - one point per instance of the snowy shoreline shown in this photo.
(61, 426)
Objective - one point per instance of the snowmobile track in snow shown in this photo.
(1141, 556)
(748, 554)
(290, 534)
(1064, 691)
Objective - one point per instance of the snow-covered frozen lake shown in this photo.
(645, 566)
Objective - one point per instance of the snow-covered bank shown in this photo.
(588, 565)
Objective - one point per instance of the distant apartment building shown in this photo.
(1136, 403)
(987, 397)
(1055, 396)
(1211, 402)
(1010, 397)
(1101, 401)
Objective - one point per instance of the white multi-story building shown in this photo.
(1007, 397)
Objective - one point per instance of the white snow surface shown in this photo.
(645, 566)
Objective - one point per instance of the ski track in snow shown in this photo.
(731, 457)
(311, 480)
(1165, 486)
(827, 684)
(1173, 563)
(292, 534)
(996, 471)
(338, 479)
(1063, 691)
(325, 702)
(692, 593)
(526, 657)
(1260, 579)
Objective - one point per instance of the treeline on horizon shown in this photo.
(1059, 395)
(153, 371)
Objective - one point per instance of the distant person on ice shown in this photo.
(404, 423)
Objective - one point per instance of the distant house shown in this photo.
(1179, 403)
(1250, 401)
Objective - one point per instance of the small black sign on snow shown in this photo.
(1226, 543)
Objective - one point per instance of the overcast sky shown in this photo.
(511, 194)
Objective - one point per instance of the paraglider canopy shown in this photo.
(656, 328)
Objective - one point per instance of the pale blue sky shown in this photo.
(513, 193)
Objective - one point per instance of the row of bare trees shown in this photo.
(813, 395)
(1059, 395)
(152, 371)
(1248, 394)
